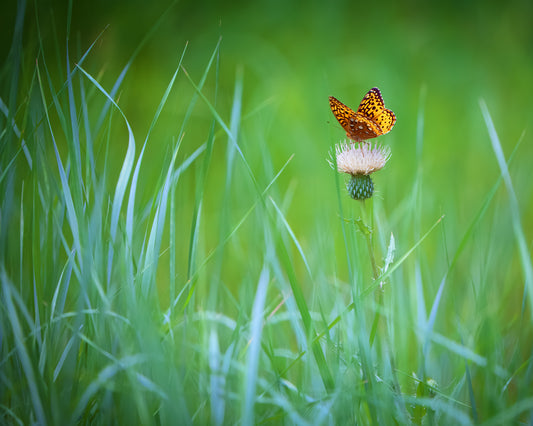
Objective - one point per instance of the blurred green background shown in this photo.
(433, 62)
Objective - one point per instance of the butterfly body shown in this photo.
(370, 120)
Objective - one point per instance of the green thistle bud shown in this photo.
(360, 187)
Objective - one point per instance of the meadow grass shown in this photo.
(194, 298)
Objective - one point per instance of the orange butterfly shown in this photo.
(370, 120)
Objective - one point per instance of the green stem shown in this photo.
(369, 241)
(375, 270)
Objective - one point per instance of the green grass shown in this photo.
(187, 256)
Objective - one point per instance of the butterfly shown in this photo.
(370, 120)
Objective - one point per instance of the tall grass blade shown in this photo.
(156, 232)
(123, 178)
(16, 130)
(433, 316)
(104, 377)
(418, 195)
(525, 256)
(69, 204)
(24, 357)
(293, 237)
(133, 188)
(225, 128)
(252, 364)
(200, 187)
(217, 380)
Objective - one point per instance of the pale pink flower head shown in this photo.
(360, 160)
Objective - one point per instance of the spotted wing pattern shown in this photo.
(372, 119)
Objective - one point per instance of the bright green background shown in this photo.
(433, 61)
(294, 56)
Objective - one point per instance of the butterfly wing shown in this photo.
(385, 120)
(372, 104)
(373, 107)
(357, 126)
(342, 113)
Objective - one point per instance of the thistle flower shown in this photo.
(360, 161)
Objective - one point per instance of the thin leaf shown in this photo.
(525, 257)
(24, 357)
(293, 237)
(252, 365)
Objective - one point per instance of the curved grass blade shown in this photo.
(124, 175)
(525, 256)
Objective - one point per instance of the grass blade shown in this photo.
(24, 356)
(252, 365)
(525, 257)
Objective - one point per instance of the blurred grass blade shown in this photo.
(123, 178)
(200, 187)
(103, 378)
(525, 257)
(391, 250)
(293, 237)
(74, 145)
(303, 309)
(337, 178)
(63, 357)
(470, 389)
(217, 380)
(418, 197)
(14, 64)
(37, 322)
(200, 86)
(225, 128)
(433, 316)
(127, 165)
(252, 364)
(149, 385)
(16, 130)
(235, 121)
(24, 357)
(68, 269)
(453, 414)
(396, 265)
(133, 188)
(482, 210)
(69, 204)
(511, 414)
(158, 226)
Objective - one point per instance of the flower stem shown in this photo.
(369, 240)
(375, 270)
